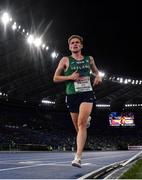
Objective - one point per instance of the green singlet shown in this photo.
(83, 68)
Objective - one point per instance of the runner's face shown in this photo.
(75, 45)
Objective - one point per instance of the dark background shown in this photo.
(111, 30)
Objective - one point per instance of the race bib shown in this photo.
(83, 84)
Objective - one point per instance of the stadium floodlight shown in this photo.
(14, 26)
(102, 105)
(47, 102)
(43, 46)
(11, 19)
(126, 81)
(54, 54)
(102, 74)
(47, 48)
(133, 82)
(30, 39)
(37, 42)
(5, 18)
(121, 80)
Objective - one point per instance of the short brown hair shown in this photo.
(75, 36)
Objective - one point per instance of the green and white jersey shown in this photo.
(83, 68)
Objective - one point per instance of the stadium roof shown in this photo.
(112, 34)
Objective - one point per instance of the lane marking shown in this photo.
(21, 167)
(29, 162)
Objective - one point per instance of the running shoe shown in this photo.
(76, 162)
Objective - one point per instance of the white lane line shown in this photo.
(47, 164)
(132, 158)
(87, 164)
(29, 162)
(31, 166)
(26, 159)
(64, 164)
(21, 167)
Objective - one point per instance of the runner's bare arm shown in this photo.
(94, 68)
(59, 77)
(95, 72)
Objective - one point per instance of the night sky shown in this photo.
(111, 30)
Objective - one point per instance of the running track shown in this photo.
(55, 165)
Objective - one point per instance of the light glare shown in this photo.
(30, 39)
(54, 54)
(37, 42)
(5, 18)
(101, 74)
